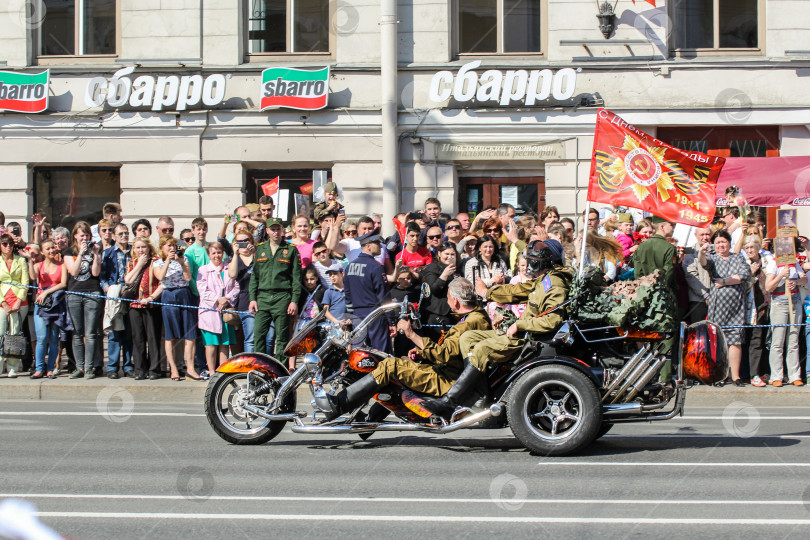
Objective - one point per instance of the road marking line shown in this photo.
(432, 518)
(761, 417)
(398, 499)
(112, 413)
(661, 464)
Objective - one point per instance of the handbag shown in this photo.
(130, 290)
(13, 345)
(231, 318)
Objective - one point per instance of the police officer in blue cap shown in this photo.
(365, 286)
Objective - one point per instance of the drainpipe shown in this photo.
(388, 74)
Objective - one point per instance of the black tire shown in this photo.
(554, 410)
(603, 429)
(232, 423)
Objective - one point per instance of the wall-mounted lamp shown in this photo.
(607, 18)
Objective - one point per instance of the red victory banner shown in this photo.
(631, 168)
(270, 188)
(306, 189)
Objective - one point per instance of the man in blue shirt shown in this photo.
(365, 286)
(113, 269)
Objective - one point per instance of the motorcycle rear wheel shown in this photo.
(554, 410)
(231, 422)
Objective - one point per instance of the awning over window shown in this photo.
(767, 181)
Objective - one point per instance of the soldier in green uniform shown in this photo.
(657, 253)
(442, 362)
(274, 286)
(548, 290)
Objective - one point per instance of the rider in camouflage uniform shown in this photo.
(547, 291)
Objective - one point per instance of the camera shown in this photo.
(241, 245)
(342, 212)
(233, 218)
(710, 249)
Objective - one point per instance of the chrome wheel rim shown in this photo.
(553, 410)
(229, 411)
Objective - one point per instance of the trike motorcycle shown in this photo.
(563, 391)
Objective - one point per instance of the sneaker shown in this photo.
(766, 379)
(798, 382)
(90, 375)
(776, 383)
(112, 374)
(78, 374)
(204, 375)
(56, 372)
(757, 381)
(12, 374)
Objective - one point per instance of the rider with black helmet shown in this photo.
(547, 290)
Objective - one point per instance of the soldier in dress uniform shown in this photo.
(275, 285)
(548, 290)
(442, 362)
(365, 286)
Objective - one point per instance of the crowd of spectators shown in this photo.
(187, 301)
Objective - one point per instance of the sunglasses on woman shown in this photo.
(319, 253)
(105, 230)
(493, 229)
(188, 239)
(352, 232)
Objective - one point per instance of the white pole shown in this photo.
(388, 74)
(584, 236)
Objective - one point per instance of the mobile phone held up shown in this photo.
(233, 218)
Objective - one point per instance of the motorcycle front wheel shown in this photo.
(554, 410)
(229, 420)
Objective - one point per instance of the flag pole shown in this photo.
(584, 237)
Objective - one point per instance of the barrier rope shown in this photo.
(103, 297)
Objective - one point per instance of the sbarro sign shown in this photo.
(162, 92)
(21, 92)
(295, 88)
(528, 87)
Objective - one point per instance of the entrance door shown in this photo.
(526, 193)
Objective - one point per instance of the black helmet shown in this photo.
(541, 255)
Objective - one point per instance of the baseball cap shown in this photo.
(335, 267)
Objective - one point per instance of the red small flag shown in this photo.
(306, 189)
(648, 1)
(401, 229)
(270, 188)
(631, 168)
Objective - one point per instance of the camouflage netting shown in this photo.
(643, 303)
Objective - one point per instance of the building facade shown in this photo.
(159, 103)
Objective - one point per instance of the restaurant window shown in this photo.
(717, 24)
(78, 27)
(499, 26)
(288, 26)
(65, 195)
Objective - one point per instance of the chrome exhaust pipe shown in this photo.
(493, 410)
(639, 385)
(622, 408)
(637, 372)
(625, 371)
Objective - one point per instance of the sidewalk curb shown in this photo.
(168, 391)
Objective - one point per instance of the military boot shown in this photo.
(351, 397)
(466, 383)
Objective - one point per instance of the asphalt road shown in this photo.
(159, 471)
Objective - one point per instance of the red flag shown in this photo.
(401, 229)
(270, 188)
(648, 1)
(306, 189)
(631, 168)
